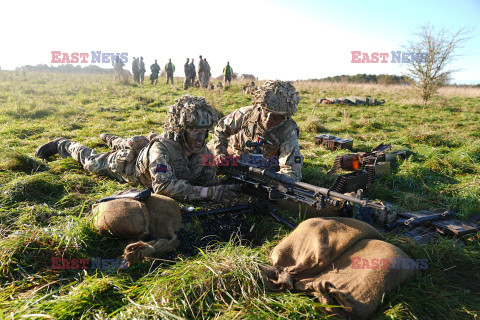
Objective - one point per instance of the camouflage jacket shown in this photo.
(141, 66)
(155, 68)
(162, 165)
(201, 67)
(232, 132)
(193, 70)
(135, 65)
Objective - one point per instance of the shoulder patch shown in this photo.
(161, 168)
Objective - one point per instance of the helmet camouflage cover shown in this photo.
(190, 112)
(277, 97)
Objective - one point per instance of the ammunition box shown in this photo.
(380, 169)
(350, 182)
(330, 142)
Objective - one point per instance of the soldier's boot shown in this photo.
(107, 137)
(47, 150)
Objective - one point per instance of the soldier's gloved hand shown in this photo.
(223, 193)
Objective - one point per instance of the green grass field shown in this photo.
(45, 207)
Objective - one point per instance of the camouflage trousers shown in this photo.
(119, 164)
(204, 80)
(153, 78)
(136, 77)
(170, 77)
(188, 82)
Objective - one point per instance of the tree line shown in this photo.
(369, 78)
(65, 68)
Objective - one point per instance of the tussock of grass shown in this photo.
(39, 188)
(197, 288)
(14, 160)
(315, 126)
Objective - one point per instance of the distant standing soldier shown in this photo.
(135, 70)
(201, 69)
(118, 68)
(188, 75)
(155, 68)
(227, 74)
(193, 71)
(141, 70)
(170, 69)
(206, 73)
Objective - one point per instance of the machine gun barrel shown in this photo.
(317, 190)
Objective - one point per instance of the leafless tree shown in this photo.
(432, 54)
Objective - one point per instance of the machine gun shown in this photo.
(257, 179)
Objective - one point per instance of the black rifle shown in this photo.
(414, 221)
(278, 186)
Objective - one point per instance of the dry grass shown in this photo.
(470, 92)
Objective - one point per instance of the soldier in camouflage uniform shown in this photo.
(201, 69)
(269, 117)
(136, 75)
(155, 68)
(118, 68)
(206, 73)
(188, 75)
(193, 71)
(171, 164)
(141, 70)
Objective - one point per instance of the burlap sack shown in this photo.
(165, 220)
(316, 258)
(165, 216)
(317, 242)
(122, 218)
(159, 217)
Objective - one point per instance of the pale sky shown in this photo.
(286, 40)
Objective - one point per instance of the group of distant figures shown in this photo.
(138, 70)
(191, 73)
(203, 72)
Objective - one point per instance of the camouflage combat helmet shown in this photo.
(277, 97)
(190, 112)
